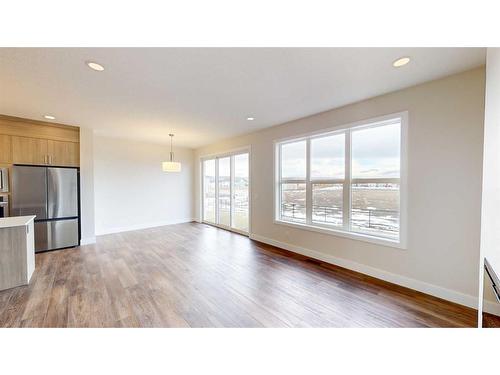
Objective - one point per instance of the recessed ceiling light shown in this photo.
(250, 118)
(95, 66)
(49, 117)
(401, 62)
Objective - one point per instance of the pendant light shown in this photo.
(171, 166)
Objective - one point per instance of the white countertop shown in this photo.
(15, 221)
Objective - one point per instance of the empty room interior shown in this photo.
(249, 187)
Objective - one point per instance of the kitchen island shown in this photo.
(17, 251)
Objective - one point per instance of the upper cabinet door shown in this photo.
(27, 150)
(5, 149)
(64, 154)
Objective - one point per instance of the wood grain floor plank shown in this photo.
(195, 275)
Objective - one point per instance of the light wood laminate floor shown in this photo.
(195, 275)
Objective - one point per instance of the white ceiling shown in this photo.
(206, 94)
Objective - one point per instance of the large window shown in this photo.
(347, 181)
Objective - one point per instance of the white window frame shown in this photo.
(345, 230)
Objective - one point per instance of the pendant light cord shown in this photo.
(171, 150)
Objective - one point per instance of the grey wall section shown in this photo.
(87, 185)
(445, 148)
(132, 191)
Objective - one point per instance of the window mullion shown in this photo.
(278, 210)
(217, 190)
(202, 190)
(309, 207)
(346, 204)
(231, 191)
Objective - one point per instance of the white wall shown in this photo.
(131, 190)
(87, 185)
(444, 188)
(490, 218)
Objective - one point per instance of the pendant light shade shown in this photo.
(171, 165)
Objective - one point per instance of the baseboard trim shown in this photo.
(421, 286)
(87, 241)
(143, 226)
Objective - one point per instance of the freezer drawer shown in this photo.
(29, 191)
(55, 234)
(62, 193)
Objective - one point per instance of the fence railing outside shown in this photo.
(380, 219)
(225, 204)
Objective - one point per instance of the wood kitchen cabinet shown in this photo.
(24, 141)
(17, 251)
(27, 150)
(66, 154)
(38, 151)
(5, 149)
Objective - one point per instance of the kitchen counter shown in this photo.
(17, 251)
(15, 221)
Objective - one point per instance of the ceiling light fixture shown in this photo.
(49, 117)
(171, 166)
(95, 66)
(401, 62)
(250, 118)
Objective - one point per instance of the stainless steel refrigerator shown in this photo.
(50, 193)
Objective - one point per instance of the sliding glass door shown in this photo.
(241, 196)
(225, 191)
(224, 196)
(209, 188)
